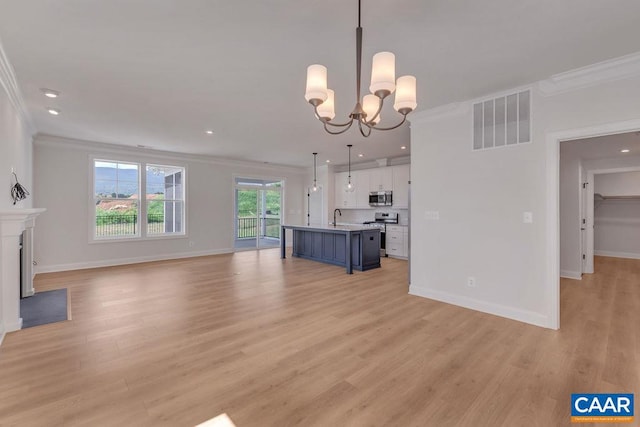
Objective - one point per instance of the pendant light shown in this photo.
(349, 188)
(315, 181)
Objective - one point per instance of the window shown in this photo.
(116, 189)
(165, 200)
(132, 205)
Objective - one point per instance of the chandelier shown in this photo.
(367, 110)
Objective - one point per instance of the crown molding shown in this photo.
(10, 85)
(591, 75)
(102, 147)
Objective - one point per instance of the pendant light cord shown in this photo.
(349, 162)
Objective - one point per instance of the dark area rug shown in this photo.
(44, 307)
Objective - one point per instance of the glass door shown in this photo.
(258, 213)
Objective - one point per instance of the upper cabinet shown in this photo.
(394, 178)
(380, 179)
(401, 177)
(357, 198)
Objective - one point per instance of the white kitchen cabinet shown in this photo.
(361, 179)
(380, 179)
(397, 241)
(359, 197)
(405, 242)
(401, 177)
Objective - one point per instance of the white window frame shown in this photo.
(142, 205)
(183, 201)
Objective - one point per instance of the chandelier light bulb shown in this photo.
(326, 110)
(316, 84)
(370, 105)
(406, 95)
(383, 74)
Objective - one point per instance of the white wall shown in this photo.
(617, 222)
(62, 183)
(618, 184)
(16, 154)
(481, 196)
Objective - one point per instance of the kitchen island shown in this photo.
(344, 245)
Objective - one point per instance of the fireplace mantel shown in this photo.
(13, 222)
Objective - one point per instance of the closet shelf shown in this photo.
(599, 196)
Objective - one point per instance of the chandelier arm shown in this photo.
(337, 132)
(404, 119)
(338, 125)
(362, 132)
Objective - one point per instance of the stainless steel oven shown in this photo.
(380, 198)
(381, 220)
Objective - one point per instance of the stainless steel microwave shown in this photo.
(380, 198)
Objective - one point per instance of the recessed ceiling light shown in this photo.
(360, 155)
(53, 111)
(403, 147)
(626, 150)
(209, 132)
(49, 93)
(328, 161)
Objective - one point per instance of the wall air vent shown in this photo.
(502, 121)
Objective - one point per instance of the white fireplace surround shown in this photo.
(13, 222)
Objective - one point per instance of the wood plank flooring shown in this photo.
(298, 343)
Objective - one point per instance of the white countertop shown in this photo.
(339, 227)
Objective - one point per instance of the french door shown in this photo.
(257, 214)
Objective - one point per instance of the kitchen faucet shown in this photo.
(334, 215)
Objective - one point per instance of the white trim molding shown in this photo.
(10, 84)
(574, 275)
(104, 148)
(591, 75)
(512, 313)
(127, 261)
(613, 254)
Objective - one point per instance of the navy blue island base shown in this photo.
(352, 247)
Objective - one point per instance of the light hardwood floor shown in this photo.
(275, 343)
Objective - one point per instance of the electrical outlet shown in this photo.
(471, 282)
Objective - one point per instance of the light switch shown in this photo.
(432, 215)
(527, 217)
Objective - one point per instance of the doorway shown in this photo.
(258, 208)
(622, 148)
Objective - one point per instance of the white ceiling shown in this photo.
(604, 147)
(160, 72)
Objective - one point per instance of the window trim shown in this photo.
(142, 180)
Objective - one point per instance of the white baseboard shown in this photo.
(525, 316)
(613, 254)
(575, 275)
(125, 261)
(1, 333)
(12, 327)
